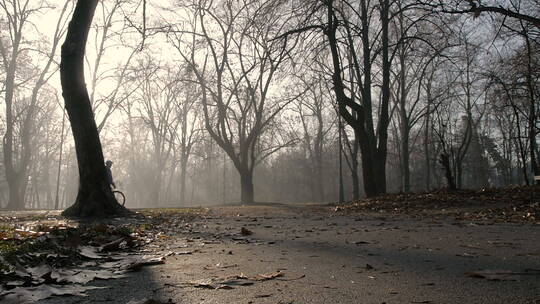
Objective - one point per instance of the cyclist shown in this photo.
(108, 165)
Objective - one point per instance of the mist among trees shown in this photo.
(201, 102)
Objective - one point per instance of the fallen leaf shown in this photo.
(89, 252)
(361, 243)
(21, 295)
(114, 245)
(232, 281)
(244, 231)
(269, 276)
(499, 275)
(83, 276)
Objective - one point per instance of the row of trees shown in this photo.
(273, 100)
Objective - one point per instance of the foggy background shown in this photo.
(466, 87)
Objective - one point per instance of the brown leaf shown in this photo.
(231, 281)
(244, 231)
(114, 245)
(40, 271)
(498, 275)
(83, 276)
(269, 276)
(89, 252)
(33, 294)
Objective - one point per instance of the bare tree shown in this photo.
(235, 63)
(156, 101)
(352, 34)
(526, 11)
(189, 131)
(312, 109)
(13, 52)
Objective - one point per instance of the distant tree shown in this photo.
(187, 109)
(156, 98)
(230, 52)
(21, 75)
(313, 110)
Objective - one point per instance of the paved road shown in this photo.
(332, 258)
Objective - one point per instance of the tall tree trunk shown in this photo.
(384, 120)
(427, 151)
(404, 127)
(445, 162)
(405, 158)
(355, 180)
(246, 185)
(15, 201)
(361, 123)
(183, 168)
(12, 178)
(94, 197)
(354, 169)
(532, 112)
(56, 198)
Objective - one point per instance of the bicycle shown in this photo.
(120, 197)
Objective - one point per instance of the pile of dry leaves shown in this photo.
(46, 256)
(514, 204)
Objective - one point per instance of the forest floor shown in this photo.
(465, 247)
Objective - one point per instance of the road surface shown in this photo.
(328, 257)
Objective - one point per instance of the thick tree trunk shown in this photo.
(246, 185)
(94, 197)
(15, 200)
(368, 171)
(459, 175)
(362, 123)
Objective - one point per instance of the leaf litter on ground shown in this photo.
(44, 256)
(511, 204)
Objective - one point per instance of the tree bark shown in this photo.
(12, 176)
(532, 112)
(354, 172)
(445, 162)
(246, 185)
(384, 119)
(183, 168)
(94, 197)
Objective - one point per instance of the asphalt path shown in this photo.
(327, 257)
